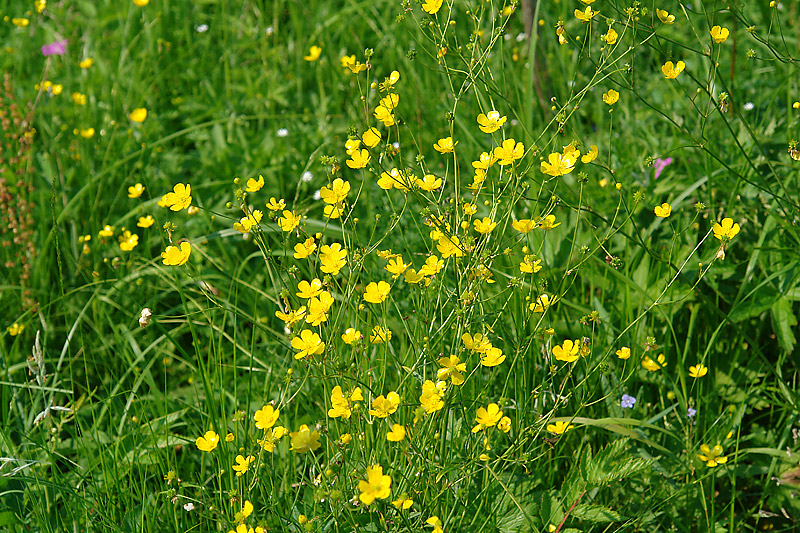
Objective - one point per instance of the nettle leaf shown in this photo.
(596, 513)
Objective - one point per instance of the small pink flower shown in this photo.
(58, 48)
(660, 164)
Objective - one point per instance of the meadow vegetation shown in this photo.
(442, 266)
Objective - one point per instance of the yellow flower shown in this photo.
(712, 456)
(449, 247)
(591, 155)
(558, 164)
(559, 427)
(87, 133)
(229, 437)
(175, 256)
(436, 523)
(452, 368)
(403, 502)
(542, 303)
(307, 344)
(487, 417)
(139, 114)
(611, 36)
(523, 226)
(318, 308)
(179, 198)
(663, 211)
(568, 351)
(725, 231)
(397, 433)
(107, 231)
(341, 404)
(548, 222)
(290, 318)
(485, 161)
(586, 15)
(241, 516)
(719, 34)
(388, 83)
(653, 366)
(309, 290)
(266, 417)
(385, 115)
(429, 182)
(304, 440)
(337, 193)
(490, 122)
(485, 225)
(432, 266)
(380, 335)
(346, 61)
(504, 425)
(358, 159)
(396, 266)
(15, 329)
(345, 438)
(611, 97)
(377, 485)
(254, 185)
(431, 6)
(135, 191)
(356, 67)
(313, 53)
(431, 397)
(289, 221)
(509, 152)
(141, 3)
(207, 442)
(245, 224)
(371, 137)
(79, 98)
(529, 265)
(305, 248)
(383, 406)
(351, 335)
(698, 371)
(40, 5)
(333, 258)
(242, 464)
(23, 22)
(128, 241)
(624, 353)
(664, 16)
(87, 63)
(272, 436)
(445, 145)
(671, 70)
(274, 205)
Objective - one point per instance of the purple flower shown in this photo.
(58, 48)
(627, 401)
(660, 164)
(691, 412)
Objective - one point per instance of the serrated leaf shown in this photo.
(595, 513)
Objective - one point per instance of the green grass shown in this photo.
(101, 417)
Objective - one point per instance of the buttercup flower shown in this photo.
(380, 335)
(437, 524)
(86, 63)
(358, 159)
(397, 433)
(313, 53)
(591, 155)
(383, 406)
(376, 486)
(128, 241)
(487, 417)
(725, 231)
(141, 3)
(245, 224)
(542, 303)
(305, 440)
(671, 70)
(388, 82)
(305, 249)
(452, 368)
(337, 192)
(624, 353)
(663, 211)
(274, 205)
(139, 114)
(176, 256)
(559, 427)
(135, 191)
(207, 442)
(254, 185)
(289, 221)
(179, 198)
(431, 6)
(611, 36)
(431, 397)
(445, 145)
(485, 225)
(309, 290)
(558, 164)
(376, 293)
(524, 225)
(15, 329)
(341, 404)
(332, 258)
(307, 344)
(719, 34)
(266, 417)
(351, 335)
(403, 502)
(548, 222)
(429, 182)
(509, 152)
(371, 137)
(586, 15)
(567, 352)
(712, 456)
(611, 97)
(490, 122)
(665, 17)
(653, 366)
(698, 371)
(242, 464)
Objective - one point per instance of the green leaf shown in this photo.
(783, 320)
(596, 513)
